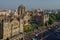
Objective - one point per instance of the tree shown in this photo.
(52, 18)
(57, 17)
(51, 21)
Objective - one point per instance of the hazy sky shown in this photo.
(45, 4)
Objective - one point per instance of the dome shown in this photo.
(21, 6)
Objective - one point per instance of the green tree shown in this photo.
(52, 18)
(51, 21)
(57, 17)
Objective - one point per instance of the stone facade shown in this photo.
(40, 17)
(46, 18)
(27, 19)
(10, 28)
(4, 12)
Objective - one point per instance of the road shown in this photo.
(51, 34)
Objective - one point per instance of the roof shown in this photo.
(3, 10)
(21, 6)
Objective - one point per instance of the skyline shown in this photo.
(29, 4)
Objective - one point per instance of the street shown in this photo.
(50, 34)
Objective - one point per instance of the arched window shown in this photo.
(21, 39)
(7, 38)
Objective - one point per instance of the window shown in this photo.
(7, 38)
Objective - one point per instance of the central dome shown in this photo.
(21, 6)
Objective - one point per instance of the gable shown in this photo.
(15, 22)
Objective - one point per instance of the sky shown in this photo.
(29, 4)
